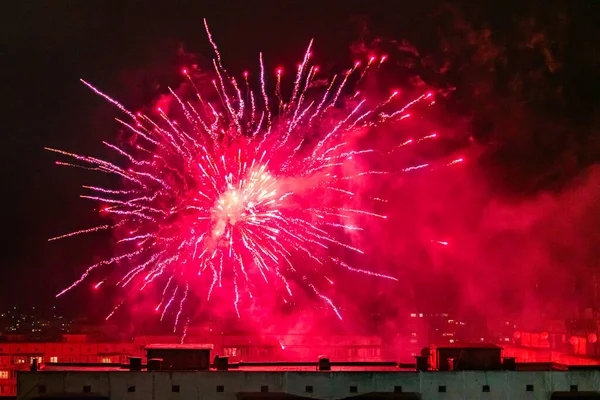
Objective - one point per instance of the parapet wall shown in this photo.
(226, 385)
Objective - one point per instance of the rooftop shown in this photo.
(244, 368)
(179, 347)
(470, 346)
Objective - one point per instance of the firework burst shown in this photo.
(243, 192)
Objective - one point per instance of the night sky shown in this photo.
(525, 80)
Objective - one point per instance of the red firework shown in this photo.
(243, 193)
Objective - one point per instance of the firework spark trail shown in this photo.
(206, 205)
(265, 97)
(363, 271)
(94, 229)
(109, 316)
(183, 299)
(121, 107)
(322, 100)
(185, 329)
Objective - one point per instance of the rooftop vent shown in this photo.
(324, 363)
(181, 357)
(221, 363)
(135, 363)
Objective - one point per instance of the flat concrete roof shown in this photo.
(469, 346)
(242, 368)
(179, 346)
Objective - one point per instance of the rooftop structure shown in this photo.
(478, 356)
(179, 357)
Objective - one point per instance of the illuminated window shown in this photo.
(106, 360)
(230, 351)
(3, 374)
(53, 359)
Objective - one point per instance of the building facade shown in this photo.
(282, 384)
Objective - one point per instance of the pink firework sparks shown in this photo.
(219, 192)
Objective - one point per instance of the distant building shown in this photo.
(78, 348)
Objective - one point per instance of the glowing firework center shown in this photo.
(252, 201)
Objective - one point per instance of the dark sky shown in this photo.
(526, 76)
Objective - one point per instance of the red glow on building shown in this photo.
(592, 338)
(517, 335)
(574, 340)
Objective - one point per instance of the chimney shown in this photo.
(509, 363)
(422, 363)
(135, 363)
(324, 363)
(221, 363)
(451, 364)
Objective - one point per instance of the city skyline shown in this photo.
(513, 233)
